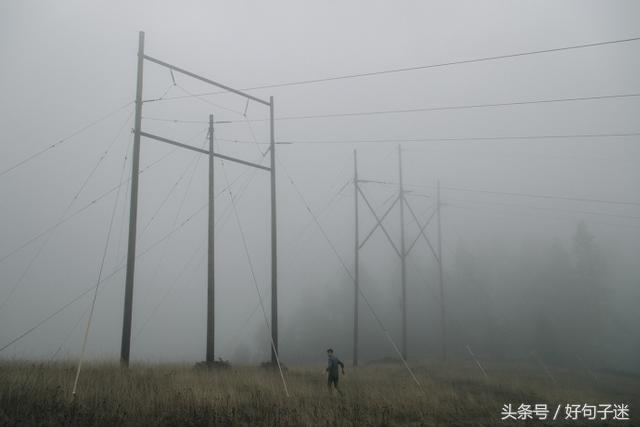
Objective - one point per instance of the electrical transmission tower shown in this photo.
(131, 251)
(402, 251)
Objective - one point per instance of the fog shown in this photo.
(540, 236)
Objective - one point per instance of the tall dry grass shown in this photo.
(455, 394)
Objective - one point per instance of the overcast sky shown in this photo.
(68, 63)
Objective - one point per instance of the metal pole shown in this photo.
(274, 246)
(440, 279)
(356, 278)
(125, 347)
(403, 260)
(210, 271)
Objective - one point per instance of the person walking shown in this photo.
(333, 371)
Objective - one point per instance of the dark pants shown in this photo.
(333, 379)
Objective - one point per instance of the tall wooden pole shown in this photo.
(125, 348)
(441, 281)
(403, 260)
(210, 271)
(274, 245)
(356, 278)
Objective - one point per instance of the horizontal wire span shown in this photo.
(408, 110)
(424, 67)
(448, 139)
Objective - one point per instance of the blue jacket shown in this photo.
(332, 367)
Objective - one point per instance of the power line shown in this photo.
(59, 223)
(46, 319)
(424, 67)
(107, 277)
(95, 293)
(65, 139)
(427, 109)
(64, 213)
(507, 193)
(206, 101)
(453, 139)
(162, 97)
(162, 119)
(75, 326)
(80, 210)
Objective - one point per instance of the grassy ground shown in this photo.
(456, 394)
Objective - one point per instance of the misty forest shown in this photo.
(201, 198)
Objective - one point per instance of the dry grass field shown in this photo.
(179, 395)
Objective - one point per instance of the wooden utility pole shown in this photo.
(274, 245)
(210, 357)
(403, 259)
(356, 278)
(125, 347)
(443, 328)
(135, 170)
